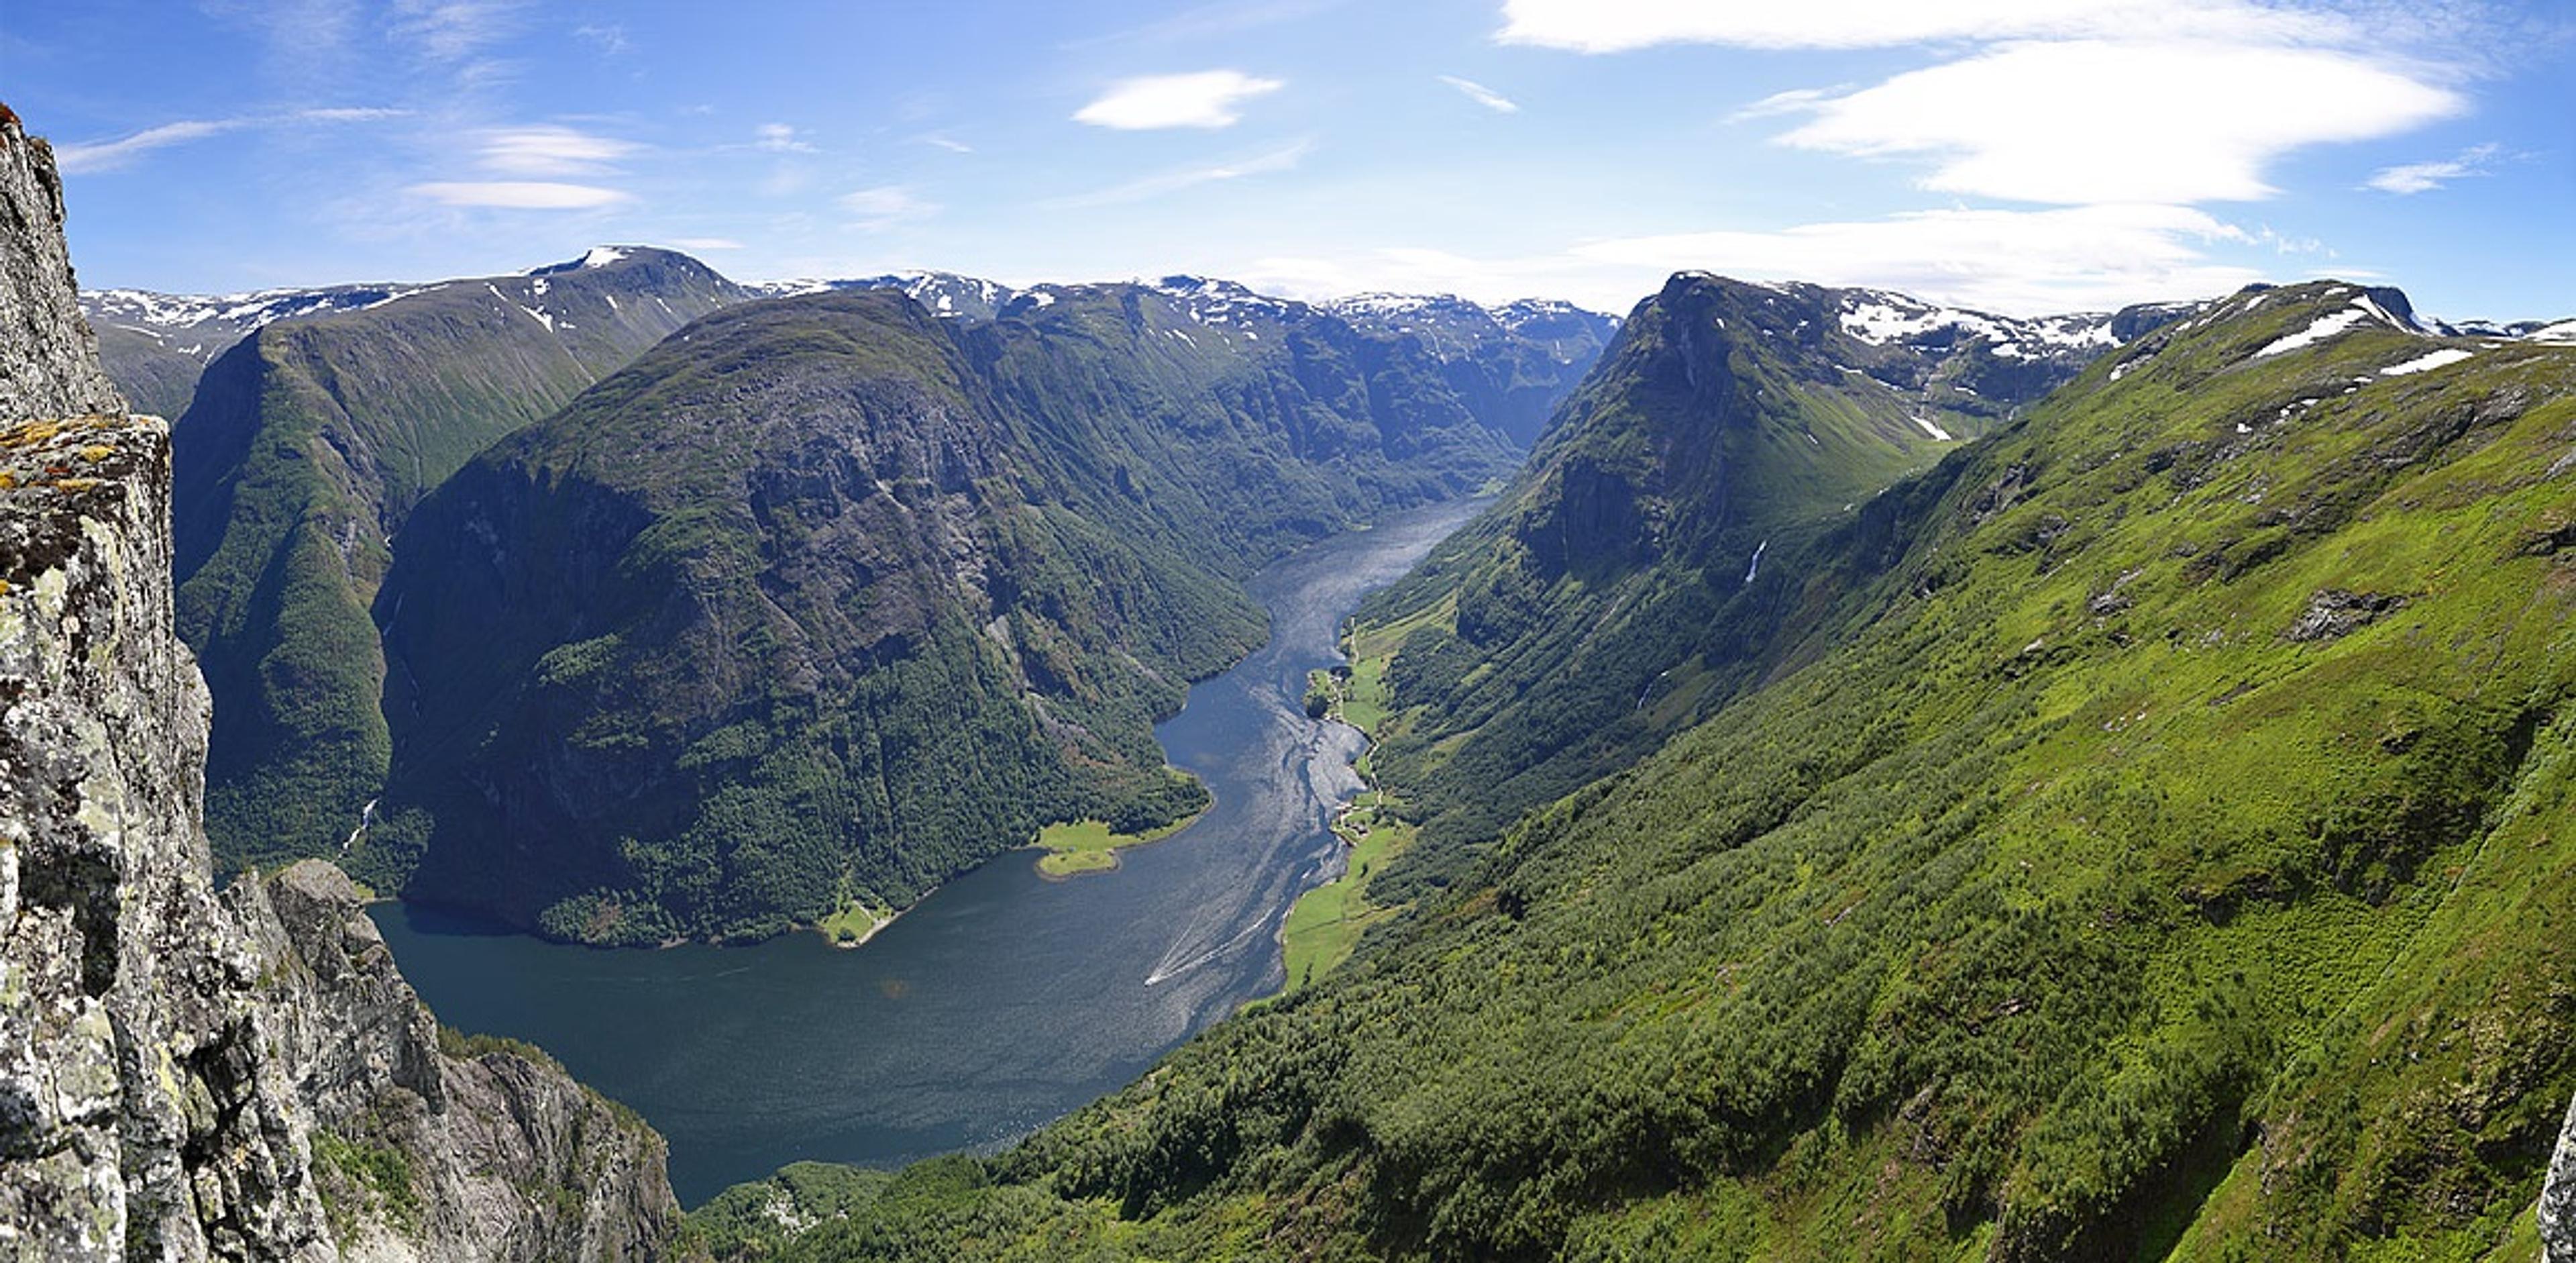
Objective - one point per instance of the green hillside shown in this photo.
(2147, 839)
(1617, 594)
(304, 449)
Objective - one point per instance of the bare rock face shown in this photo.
(186, 1075)
(2558, 1197)
(48, 360)
(428, 1145)
(141, 1114)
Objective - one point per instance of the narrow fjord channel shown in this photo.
(1000, 1002)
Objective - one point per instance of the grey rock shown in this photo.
(48, 361)
(2334, 613)
(2558, 1197)
(186, 1075)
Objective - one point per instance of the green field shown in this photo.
(854, 924)
(1327, 922)
(1090, 846)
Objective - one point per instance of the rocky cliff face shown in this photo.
(185, 1075)
(48, 363)
(2558, 1197)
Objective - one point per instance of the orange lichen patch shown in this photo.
(97, 452)
(7, 480)
(75, 484)
(30, 434)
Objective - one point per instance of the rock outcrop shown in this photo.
(429, 1145)
(2558, 1197)
(48, 361)
(184, 1074)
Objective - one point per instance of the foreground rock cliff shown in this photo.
(186, 1074)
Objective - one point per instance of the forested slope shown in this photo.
(303, 451)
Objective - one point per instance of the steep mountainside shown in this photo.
(826, 599)
(1612, 598)
(307, 445)
(2154, 844)
(185, 1075)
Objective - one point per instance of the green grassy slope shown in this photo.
(1613, 597)
(306, 446)
(2165, 852)
(826, 600)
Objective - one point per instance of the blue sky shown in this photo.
(2022, 155)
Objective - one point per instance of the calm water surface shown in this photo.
(1000, 1002)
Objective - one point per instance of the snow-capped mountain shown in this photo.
(944, 293)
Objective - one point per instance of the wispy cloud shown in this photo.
(111, 155)
(520, 194)
(779, 138)
(949, 143)
(885, 206)
(91, 157)
(1793, 101)
(550, 149)
(454, 30)
(346, 114)
(1208, 98)
(1152, 186)
(608, 37)
(2424, 177)
(1482, 95)
(706, 243)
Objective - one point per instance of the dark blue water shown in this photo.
(1003, 1000)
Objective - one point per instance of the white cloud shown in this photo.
(1205, 99)
(2019, 262)
(1482, 95)
(520, 194)
(2041, 121)
(110, 155)
(779, 138)
(1793, 101)
(706, 243)
(1281, 159)
(348, 114)
(949, 143)
(885, 206)
(1608, 26)
(114, 155)
(548, 149)
(609, 37)
(451, 30)
(2423, 177)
